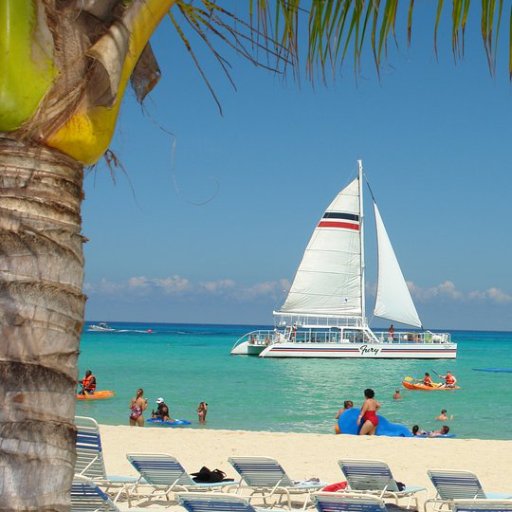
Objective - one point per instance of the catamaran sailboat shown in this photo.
(324, 312)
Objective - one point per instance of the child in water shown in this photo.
(202, 409)
(347, 404)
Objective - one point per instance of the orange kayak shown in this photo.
(98, 395)
(421, 387)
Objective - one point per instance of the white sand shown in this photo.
(313, 455)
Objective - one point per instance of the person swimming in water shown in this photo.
(367, 418)
(444, 416)
(347, 404)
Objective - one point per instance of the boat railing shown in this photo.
(268, 337)
(264, 337)
(314, 321)
(413, 337)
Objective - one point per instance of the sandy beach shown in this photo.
(313, 455)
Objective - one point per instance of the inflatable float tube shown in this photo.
(347, 425)
(168, 423)
(97, 395)
(418, 386)
(494, 370)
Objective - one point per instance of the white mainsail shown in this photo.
(393, 301)
(328, 280)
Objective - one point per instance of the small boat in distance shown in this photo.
(324, 313)
(100, 327)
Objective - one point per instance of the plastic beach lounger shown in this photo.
(482, 505)
(86, 496)
(343, 502)
(375, 477)
(164, 474)
(453, 485)
(89, 458)
(265, 476)
(217, 502)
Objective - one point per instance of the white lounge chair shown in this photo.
(482, 505)
(345, 502)
(86, 496)
(375, 477)
(165, 475)
(453, 485)
(89, 458)
(265, 476)
(217, 502)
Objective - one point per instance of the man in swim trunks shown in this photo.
(368, 415)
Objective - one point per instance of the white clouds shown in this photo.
(218, 286)
(172, 285)
(492, 294)
(229, 289)
(181, 286)
(448, 290)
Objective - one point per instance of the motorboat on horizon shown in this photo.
(100, 327)
(324, 316)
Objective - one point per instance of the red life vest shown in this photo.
(89, 383)
(449, 379)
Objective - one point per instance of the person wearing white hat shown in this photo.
(162, 411)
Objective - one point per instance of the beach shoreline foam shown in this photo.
(306, 455)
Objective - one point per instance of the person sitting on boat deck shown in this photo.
(441, 432)
(162, 411)
(443, 416)
(416, 431)
(88, 384)
(367, 418)
(347, 404)
(391, 333)
(449, 380)
(397, 395)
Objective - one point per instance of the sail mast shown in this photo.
(361, 240)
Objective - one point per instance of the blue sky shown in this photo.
(210, 217)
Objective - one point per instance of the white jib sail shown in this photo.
(393, 301)
(328, 280)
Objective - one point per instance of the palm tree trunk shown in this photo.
(41, 317)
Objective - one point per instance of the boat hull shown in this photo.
(418, 386)
(97, 395)
(362, 350)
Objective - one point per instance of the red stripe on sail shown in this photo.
(345, 225)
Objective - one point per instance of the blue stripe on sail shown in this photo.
(338, 215)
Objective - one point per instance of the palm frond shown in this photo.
(332, 29)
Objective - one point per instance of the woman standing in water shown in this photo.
(367, 418)
(137, 406)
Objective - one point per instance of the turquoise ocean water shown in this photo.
(188, 363)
